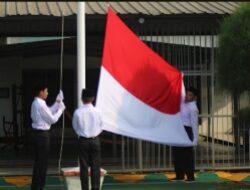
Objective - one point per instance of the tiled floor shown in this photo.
(160, 181)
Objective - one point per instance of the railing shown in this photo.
(222, 143)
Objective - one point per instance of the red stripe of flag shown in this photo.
(139, 69)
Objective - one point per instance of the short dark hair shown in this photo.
(87, 94)
(38, 87)
(193, 90)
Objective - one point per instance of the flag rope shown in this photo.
(61, 80)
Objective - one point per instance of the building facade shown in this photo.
(183, 33)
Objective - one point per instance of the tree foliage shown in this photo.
(2, 40)
(233, 60)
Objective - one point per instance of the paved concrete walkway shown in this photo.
(157, 181)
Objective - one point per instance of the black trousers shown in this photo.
(184, 159)
(89, 156)
(41, 142)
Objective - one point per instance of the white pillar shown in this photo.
(81, 65)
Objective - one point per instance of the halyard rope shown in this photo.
(61, 80)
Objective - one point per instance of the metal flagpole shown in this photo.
(81, 65)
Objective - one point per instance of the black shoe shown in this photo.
(189, 180)
(177, 179)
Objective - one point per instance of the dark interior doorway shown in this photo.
(52, 78)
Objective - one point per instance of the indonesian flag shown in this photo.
(139, 93)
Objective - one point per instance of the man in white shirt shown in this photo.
(87, 124)
(42, 118)
(184, 156)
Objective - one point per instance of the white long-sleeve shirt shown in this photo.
(87, 121)
(43, 116)
(189, 115)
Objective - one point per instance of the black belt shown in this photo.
(40, 130)
(87, 137)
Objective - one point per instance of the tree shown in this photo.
(233, 61)
(234, 51)
(2, 40)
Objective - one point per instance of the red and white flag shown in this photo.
(139, 93)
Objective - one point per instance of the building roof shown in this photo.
(148, 8)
